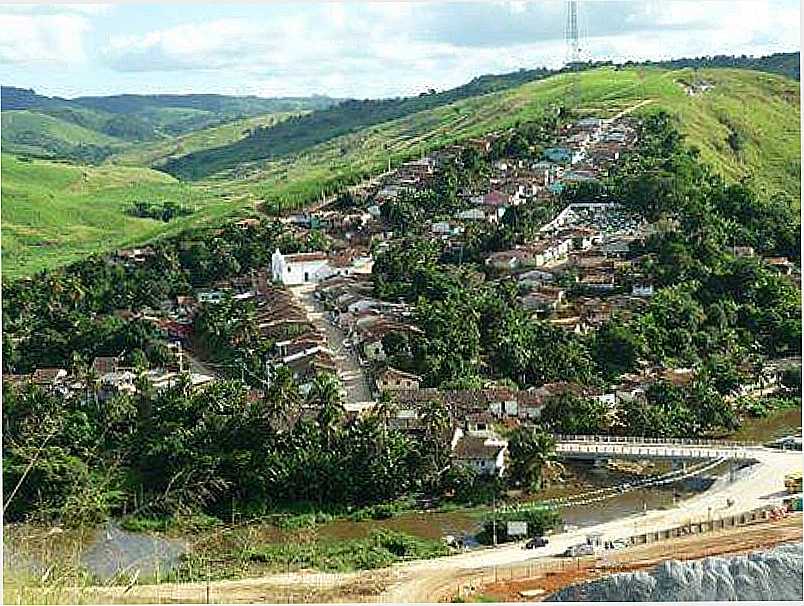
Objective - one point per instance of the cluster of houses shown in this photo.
(583, 267)
(364, 319)
(109, 376)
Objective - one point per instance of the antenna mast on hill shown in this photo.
(572, 37)
(572, 34)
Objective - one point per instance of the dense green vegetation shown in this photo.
(226, 451)
(715, 312)
(166, 211)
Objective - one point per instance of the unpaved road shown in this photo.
(734, 541)
(760, 485)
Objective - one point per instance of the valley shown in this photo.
(307, 348)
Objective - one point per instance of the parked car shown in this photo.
(582, 549)
(617, 544)
(536, 542)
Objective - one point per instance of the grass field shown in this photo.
(148, 154)
(53, 213)
(24, 131)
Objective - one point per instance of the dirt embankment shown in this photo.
(736, 541)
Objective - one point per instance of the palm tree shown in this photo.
(435, 419)
(325, 394)
(532, 451)
(283, 396)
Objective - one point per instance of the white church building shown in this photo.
(300, 268)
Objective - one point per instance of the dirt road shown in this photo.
(729, 542)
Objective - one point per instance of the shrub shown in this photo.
(540, 519)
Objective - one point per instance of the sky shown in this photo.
(357, 49)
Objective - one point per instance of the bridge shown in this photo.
(624, 447)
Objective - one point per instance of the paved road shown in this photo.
(351, 373)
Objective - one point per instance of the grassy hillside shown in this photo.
(301, 132)
(28, 132)
(54, 213)
(763, 107)
(45, 225)
(148, 154)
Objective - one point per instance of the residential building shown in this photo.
(391, 379)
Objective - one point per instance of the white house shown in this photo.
(301, 268)
(642, 290)
(483, 454)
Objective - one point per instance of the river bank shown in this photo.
(111, 553)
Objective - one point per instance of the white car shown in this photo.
(582, 549)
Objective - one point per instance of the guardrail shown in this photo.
(645, 440)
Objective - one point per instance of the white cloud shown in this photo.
(42, 39)
(379, 48)
(40, 34)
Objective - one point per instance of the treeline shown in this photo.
(785, 64)
(184, 451)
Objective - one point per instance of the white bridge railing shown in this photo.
(639, 440)
(666, 451)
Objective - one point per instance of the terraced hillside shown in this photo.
(746, 125)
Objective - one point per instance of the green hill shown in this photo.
(155, 153)
(746, 125)
(764, 109)
(134, 118)
(55, 212)
(37, 134)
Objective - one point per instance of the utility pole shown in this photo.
(494, 520)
